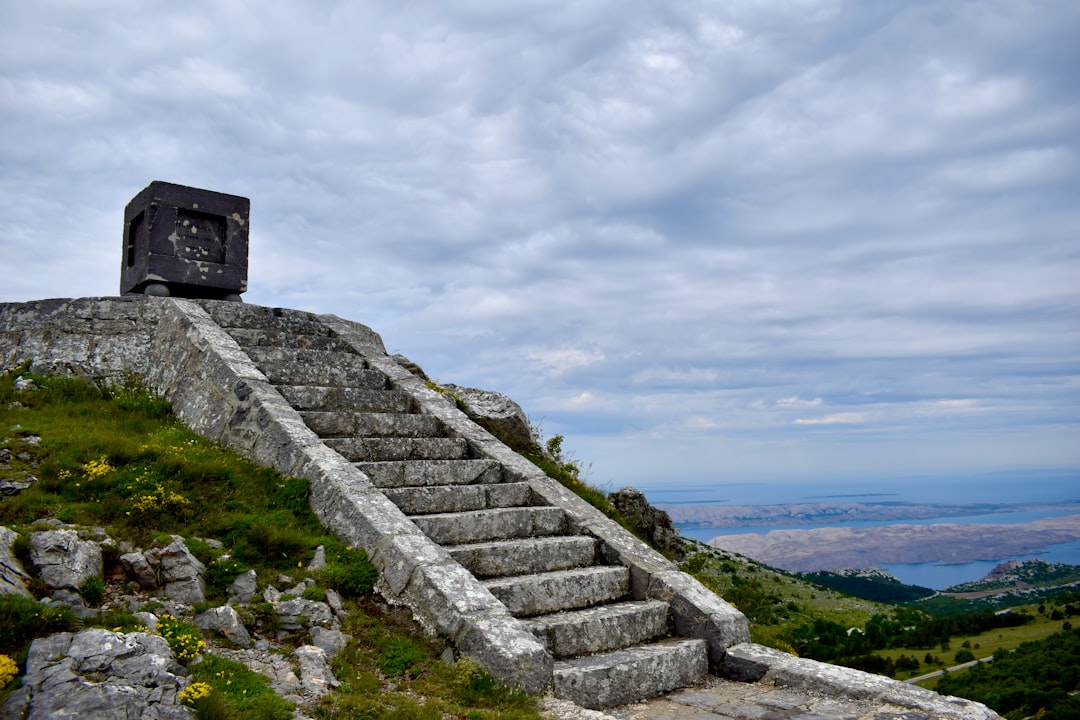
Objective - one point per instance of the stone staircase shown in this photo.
(628, 613)
(609, 647)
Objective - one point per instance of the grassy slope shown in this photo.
(118, 459)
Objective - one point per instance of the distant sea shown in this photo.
(1007, 489)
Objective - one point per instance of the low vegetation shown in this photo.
(1037, 679)
(115, 457)
(905, 640)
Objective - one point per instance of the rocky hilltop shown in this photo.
(509, 568)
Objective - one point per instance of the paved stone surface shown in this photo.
(718, 699)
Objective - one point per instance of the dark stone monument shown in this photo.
(185, 242)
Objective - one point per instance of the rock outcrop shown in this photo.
(13, 577)
(650, 523)
(63, 561)
(99, 675)
(496, 413)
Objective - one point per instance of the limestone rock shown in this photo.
(13, 577)
(63, 560)
(181, 572)
(332, 641)
(298, 612)
(226, 622)
(496, 413)
(651, 523)
(333, 599)
(100, 675)
(243, 588)
(410, 366)
(138, 567)
(316, 677)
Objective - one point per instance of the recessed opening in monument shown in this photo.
(201, 236)
(135, 236)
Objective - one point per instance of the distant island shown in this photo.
(947, 543)
(821, 513)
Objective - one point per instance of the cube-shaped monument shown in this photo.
(185, 242)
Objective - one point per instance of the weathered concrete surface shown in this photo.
(754, 663)
(101, 338)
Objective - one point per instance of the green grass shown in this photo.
(984, 644)
(775, 602)
(392, 671)
(116, 457)
(237, 692)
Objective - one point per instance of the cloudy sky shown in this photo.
(709, 242)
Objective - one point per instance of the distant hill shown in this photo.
(823, 513)
(844, 547)
(870, 584)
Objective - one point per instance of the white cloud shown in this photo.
(725, 225)
(560, 360)
(843, 418)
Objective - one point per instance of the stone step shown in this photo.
(259, 337)
(344, 424)
(343, 399)
(424, 473)
(525, 556)
(543, 593)
(296, 366)
(603, 628)
(633, 674)
(459, 498)
(302, 374)
(497, 524)
(366, 449)
(258, 316)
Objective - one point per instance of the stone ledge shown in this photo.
(750, 662)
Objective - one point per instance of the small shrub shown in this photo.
(194, 692)
(20, 548)
(350, 573)
(273, 544)
(23, 619)
(221, 575)
(92, 591)
(8, 670)
(401, 657)
(264, 617)
(201, 550)
(314, 592)
(182, 637)
(120, 621)
(235, 692)
(133, 395)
